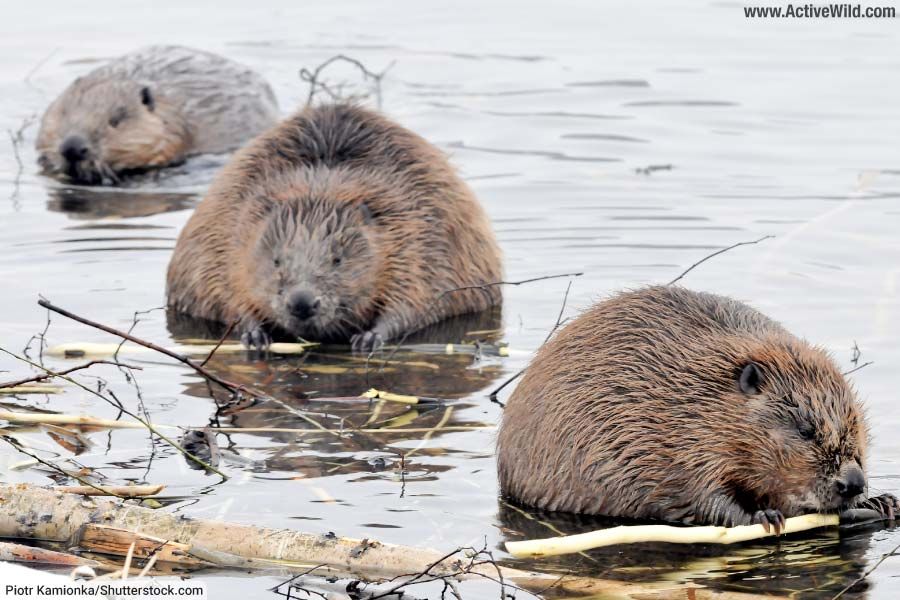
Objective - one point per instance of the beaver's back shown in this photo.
(225, 102)
(432, 233)
(628, 398)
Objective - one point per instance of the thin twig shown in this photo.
(559, 321)
(855, 369)
(120, 407)
(37, 67)
(316, 84)
(862, 577)
(45, 376)
(221, 341)
(231, 387)
(716, 253)
(18, 446)
(485, 286)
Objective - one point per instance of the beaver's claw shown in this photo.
(255, 337)
(367, 341)
(886, 505)
(768, 519)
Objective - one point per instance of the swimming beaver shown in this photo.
(335, 224)
(669, 404)
(152, 108)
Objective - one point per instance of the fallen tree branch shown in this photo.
(231, 387)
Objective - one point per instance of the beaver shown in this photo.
(674, 405)
(335, 224)
(152, 108)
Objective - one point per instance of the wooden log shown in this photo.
(10, 552)
(39, 513)
(104, 539)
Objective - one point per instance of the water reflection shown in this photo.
(318, 424)
(85, 203)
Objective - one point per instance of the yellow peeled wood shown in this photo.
(633, 534)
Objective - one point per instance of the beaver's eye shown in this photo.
(336, 261)
(277, 262)
(117, 117)
(147, 99)
(806, 430)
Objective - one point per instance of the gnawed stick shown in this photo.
(122, 491)
(98, 350)
(86, 421)
(661, 533)
(31, 389)
(39, 513)
(63, 419)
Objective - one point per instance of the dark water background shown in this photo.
(553, 113)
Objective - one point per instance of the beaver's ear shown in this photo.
(147, 98)
(367, 215)
(750, 379)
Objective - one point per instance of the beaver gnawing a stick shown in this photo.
(681, 406)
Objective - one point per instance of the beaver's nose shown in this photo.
(303, 305)
(852, 484)
(74, 148)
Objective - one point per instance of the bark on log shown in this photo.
(39, 513)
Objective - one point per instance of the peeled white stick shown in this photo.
(95, 350)
(633, 534)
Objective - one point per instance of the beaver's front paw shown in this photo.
(255, 337)
(885, 505)
(768, 519)
(368, 341)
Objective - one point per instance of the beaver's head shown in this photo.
(802, 445)
(317, 267)
(101, 128)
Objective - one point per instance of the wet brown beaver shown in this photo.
(682, 406)
(337, 224)
(152, 108)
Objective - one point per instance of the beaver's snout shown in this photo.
(851, 484)
(74, 149)
(303, 305)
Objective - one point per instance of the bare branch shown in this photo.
(716, 253)
(45, 376)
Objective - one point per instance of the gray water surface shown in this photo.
(625, 141)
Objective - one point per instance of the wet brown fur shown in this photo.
(302, 187)
(634, 410)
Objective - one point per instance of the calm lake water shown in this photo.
(623, 141)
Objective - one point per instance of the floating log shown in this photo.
(33, 512)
